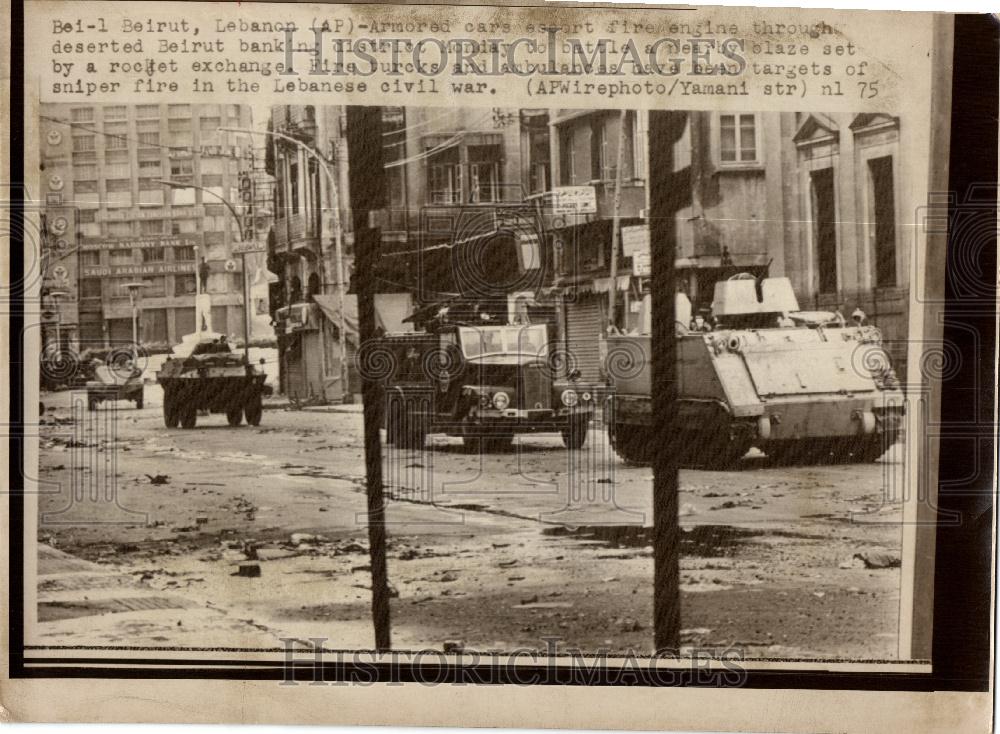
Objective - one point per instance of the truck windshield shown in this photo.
(479, 341)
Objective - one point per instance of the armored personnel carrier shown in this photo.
(213, 378)
(803, 387)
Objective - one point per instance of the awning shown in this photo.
(329, 306)
(603, 285)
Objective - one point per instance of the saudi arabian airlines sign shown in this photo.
(102, 271)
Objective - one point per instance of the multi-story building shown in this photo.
(584, 153)
(448, 172)
(310, 250)
(102, 171)
(810, 196)
(463, 180)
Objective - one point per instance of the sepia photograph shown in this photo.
(201, 328)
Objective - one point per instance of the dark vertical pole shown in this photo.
(665, 198)
(367, 186)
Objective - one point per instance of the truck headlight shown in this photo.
(569, 398)
(586, 397)
(501, 400)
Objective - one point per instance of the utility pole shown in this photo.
(615, 222)
(666, 197)
(367, 195)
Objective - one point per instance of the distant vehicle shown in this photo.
(803, 387)
(212, 378)
(483, 383)
(116, 381)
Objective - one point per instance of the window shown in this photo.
(85, 171)
(147, 110)
(293, 179)
(90, 288)
(179, 126)
(153, 254)
(184, 285)
(737, 139)
(120, 229)
(538, 161)
(149, 139)
(83, 143)
(184, 253)
(211, 181)
(115, 112)
(85, 187)
(82, 114)
(208, 127)
(567, 157)
(88, 216)
(884, 214)
(116, 164)
(155, 287)
(179, 110)
(602, 167)
(90, 258)
(150, 167)
(121, 257)
(485, 173)
(118, 184)
(215, 223)
(184, 226)
(825, 228)
(115, 136)
(181, 168)
(445, 174)
(150, 226)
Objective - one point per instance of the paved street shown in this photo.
(494, 551)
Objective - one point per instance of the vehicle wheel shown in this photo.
(171, 416)
(575, 436)
(631, 442)
(91, 404)
(234, 416)
(253, 412)
(138, 403)
(188, 416)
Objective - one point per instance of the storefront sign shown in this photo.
(574, 200)
(144, 269)
(246, 248)
(151, 241)
(642, 266)
(635, 239)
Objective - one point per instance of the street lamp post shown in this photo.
(134, 291)
(338, 236)
(243, 257)
(55, 295)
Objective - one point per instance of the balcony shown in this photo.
(292, 236)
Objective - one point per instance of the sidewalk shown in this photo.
(84, 603)
(283, 404)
